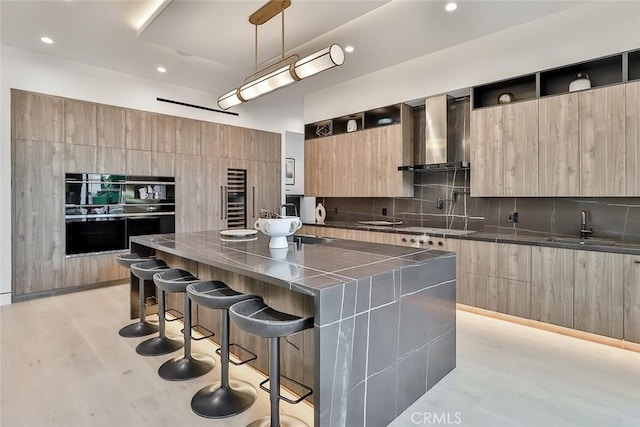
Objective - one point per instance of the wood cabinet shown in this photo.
(52, 136)
(598, 293)
(37, 117)
(504, 151)
(552, 283)
(631, 298)
(111, 125)
(495, 276)
(559, 146)
(80, 122)
(632, 138)
(601, 114)
(361, 164)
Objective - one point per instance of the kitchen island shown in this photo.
(384, 316)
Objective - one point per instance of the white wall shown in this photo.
(34, 72)
(294, 149)
(585, 32)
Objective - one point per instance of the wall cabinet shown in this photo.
(37, 117)
(632, 138)
(363, 163)
(632, 298)
(80, 122)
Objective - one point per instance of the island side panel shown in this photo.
(383, 341)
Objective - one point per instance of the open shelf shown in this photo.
(602, 72)
(522, 88)
(377, 117)
(634, 65)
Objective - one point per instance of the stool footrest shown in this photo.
(308, 392)
(252, 356)
(177, 315)
(197, 328)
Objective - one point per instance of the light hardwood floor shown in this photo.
(63, 364)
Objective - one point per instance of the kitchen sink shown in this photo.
(309, 240)
(578, 241)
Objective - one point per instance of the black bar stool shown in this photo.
(140, 328)
(190, 365)
(224, 398)
(161, 344)
(257, 318)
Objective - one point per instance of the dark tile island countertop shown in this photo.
(515, 237)
(384, 316)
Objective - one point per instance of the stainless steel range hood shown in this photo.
(441, 134)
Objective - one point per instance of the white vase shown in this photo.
(321, 214)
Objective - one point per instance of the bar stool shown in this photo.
(190, 365)
(257, 318)
(161, 344)
(140, 328)
(225, 398)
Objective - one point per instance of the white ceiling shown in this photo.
(209, 45)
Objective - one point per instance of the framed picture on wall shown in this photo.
(289, 171)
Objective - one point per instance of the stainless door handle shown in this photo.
(221, 202)
(637, 261)
(226, 202)
(253, 200)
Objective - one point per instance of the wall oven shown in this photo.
(103, 211)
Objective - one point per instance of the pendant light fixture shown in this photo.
(284, 72)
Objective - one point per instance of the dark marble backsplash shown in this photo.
(611, 218)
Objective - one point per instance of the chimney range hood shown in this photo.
(441, 134)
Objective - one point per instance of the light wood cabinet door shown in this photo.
(632, 298)
(552, 279)
(79, 159)
(520, 148)
(111, 160)
(191, 187)
(215, 176)
(598, 293)
(263, 189)
(111, 124)
(602, 141)
(139, 130)
(559, 146)
(487, 170)
(164, 132)
(37, 117)
(632, 138)
(188, 136)
(318, 156)
(80, 125)
(213, 139)
(138, 162)
(93, 269)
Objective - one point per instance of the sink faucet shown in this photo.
(584, 231)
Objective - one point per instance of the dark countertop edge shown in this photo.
(619, 248)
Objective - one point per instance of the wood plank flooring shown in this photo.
(62, 363)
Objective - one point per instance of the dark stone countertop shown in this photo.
(306, 268)
(518, 238)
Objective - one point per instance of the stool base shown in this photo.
(285, 421)
(186, 368)
(215, 402)
(158, 346)
(138, 329)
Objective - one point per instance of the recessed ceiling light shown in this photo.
(451, 6)
(46, 40)
(349, 49)
(161, 69)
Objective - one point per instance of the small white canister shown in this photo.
(581, 82)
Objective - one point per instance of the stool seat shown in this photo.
(126, 260)
(257, 318)
(146, 269)
(215, 294)
(174, 280)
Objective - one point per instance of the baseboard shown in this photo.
(62, 291)
(600, 339)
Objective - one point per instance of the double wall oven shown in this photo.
(102, 211)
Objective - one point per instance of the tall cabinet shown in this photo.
(52, 136)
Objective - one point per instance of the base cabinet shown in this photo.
(632, 298)
(552, 285)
